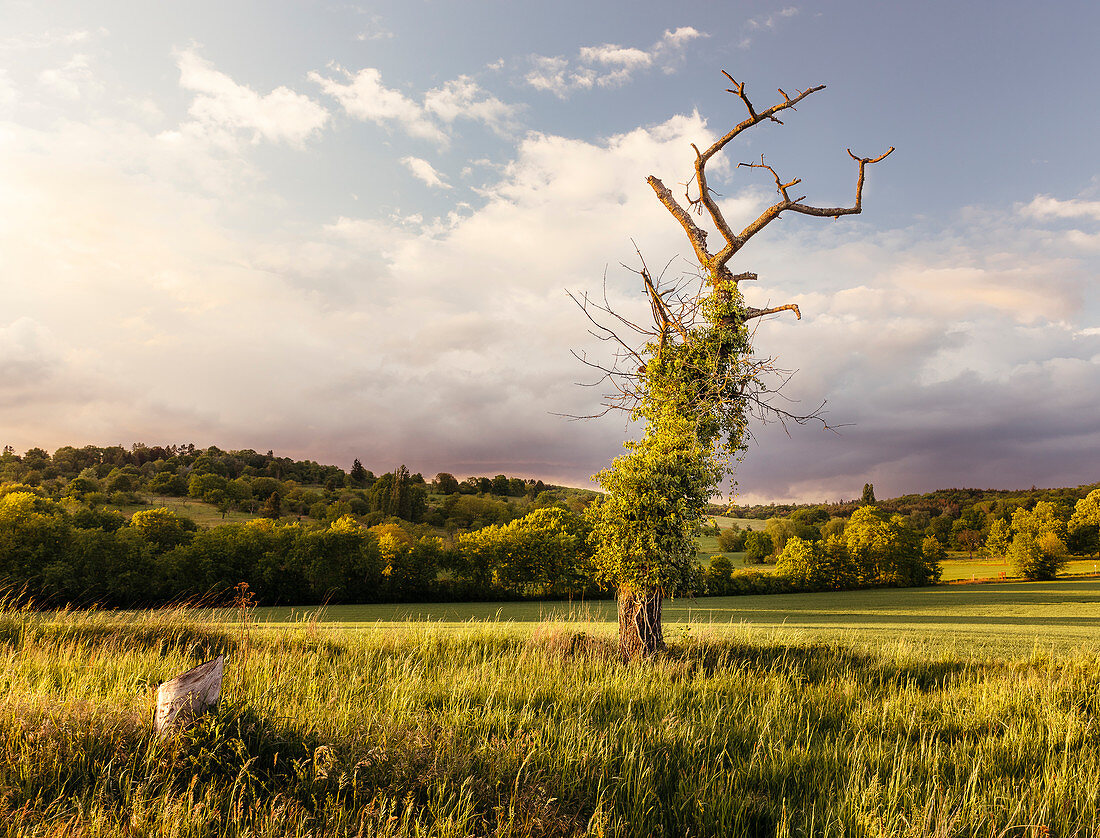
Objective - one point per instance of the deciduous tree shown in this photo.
(999, 538)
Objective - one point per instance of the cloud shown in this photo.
(771, 21)
(765, 23)
(424, 171)
(958, 356)
(374, 30)
(71, 80)
(960, 351)
(607, 65)
(1045, 207)
(223, 107)
(25, 359)
(9, 93)
(364, 97)
(444, 343)
(51, 39)
(629, 58)
(462, 98)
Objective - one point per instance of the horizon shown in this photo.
(377, 472)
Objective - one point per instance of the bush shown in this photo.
(731, 541)
(718, 576)
(1037, 558)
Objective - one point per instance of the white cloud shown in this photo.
(771, 21)
(71, 80)
(374, 30)
(25, 356)
(463, 98)
(50, 39)
(197, 309)
(443, 343)
(616, 56)
(1046, 207)
(607, 65)
(554, 75)
(222, 107)
(364, 97)
(424, 171)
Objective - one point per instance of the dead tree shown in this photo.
(719, 385)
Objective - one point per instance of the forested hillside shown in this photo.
(147, 524)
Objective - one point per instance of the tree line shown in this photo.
(56, 552)
(1036, 536)
(73, 534)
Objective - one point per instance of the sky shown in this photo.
(342, 230)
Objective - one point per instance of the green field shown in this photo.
(203, 514)
(726, 522)
(961, 569)
(964, 710)
(1004, 618)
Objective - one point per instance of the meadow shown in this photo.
(961, 710)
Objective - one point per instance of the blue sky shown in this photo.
(346, 230)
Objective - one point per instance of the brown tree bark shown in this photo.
(640, 633)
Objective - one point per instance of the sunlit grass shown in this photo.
(834, 714)
(962, 568)
(203, 514)
(999, 617)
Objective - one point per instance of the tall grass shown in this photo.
(428, 730)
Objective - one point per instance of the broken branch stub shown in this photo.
(187, 696)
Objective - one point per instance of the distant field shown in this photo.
(991, 568)
(744, 523)
(203, 514)
(997, 617)
(708, 544)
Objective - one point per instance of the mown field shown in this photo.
(965, 710)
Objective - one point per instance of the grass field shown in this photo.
(725, 522)
(203, 514)
(964, 710)
(995, 618)
(961, 568)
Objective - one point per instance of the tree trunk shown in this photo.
(640, 632)
(187, 696)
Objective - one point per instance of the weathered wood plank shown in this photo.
(187, 696)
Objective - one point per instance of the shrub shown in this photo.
(731, 541)
(718, 576)
(1039, 557)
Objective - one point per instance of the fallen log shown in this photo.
(187, 696)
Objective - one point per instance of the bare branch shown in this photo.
(749, 383)
(796, 205)
(751, 313)
(715, 262)
(697, 236)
